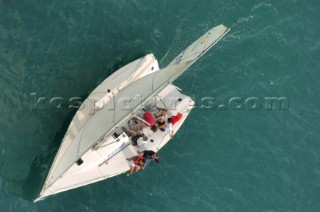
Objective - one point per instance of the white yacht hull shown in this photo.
(95, 147)
(109, 159)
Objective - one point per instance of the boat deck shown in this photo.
(108, 159)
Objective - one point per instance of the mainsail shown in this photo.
(112, 115)
(125, 103)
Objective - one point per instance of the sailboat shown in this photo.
(96, 146)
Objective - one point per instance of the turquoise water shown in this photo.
(221, 159)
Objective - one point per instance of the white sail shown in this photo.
(112, 115)
(115, 82)
(103, 93)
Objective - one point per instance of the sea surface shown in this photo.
(238, 152)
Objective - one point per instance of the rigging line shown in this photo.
(140, 61)
(114, 109)
(194, 79)
(189, 79)
(162, 101)
(162, 141)
(153, 81)
(101, 174)
(79, 144)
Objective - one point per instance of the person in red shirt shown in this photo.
(136, 163)
(172, 121)
(150, 120)
(176, 118)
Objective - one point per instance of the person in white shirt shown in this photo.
(142, 140)
(169, 127)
